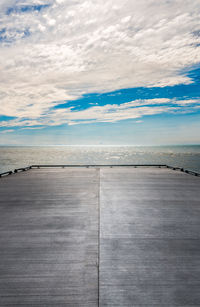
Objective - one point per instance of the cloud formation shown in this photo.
(7, 131)
(52, 51)
(108, 113)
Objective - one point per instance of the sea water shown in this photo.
(12, 157)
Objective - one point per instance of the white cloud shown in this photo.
(108, 113)
(7, 131)
(32, 128)
(113, 113)
(83, 46)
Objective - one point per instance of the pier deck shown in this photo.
(100, 236)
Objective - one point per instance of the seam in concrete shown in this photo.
(99, 232)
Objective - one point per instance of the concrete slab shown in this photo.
(149, 238)
(100, 236)
(49, 238)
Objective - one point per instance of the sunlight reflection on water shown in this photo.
(181, 156)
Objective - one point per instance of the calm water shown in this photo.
(182, 156)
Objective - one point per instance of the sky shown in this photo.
(96, 72)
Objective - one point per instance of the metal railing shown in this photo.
(23, 169)
(184, 170)
(6, 173)
(99, 165)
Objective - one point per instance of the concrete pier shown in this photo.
(100, 236)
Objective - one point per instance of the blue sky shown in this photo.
(114, 73)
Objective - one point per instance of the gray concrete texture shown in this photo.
(101, 236)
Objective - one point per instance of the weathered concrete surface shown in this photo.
(49, 238)
(142, 224)
(150, 238)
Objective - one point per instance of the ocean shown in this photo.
(12, 157)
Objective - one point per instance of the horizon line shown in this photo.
(95, 145)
